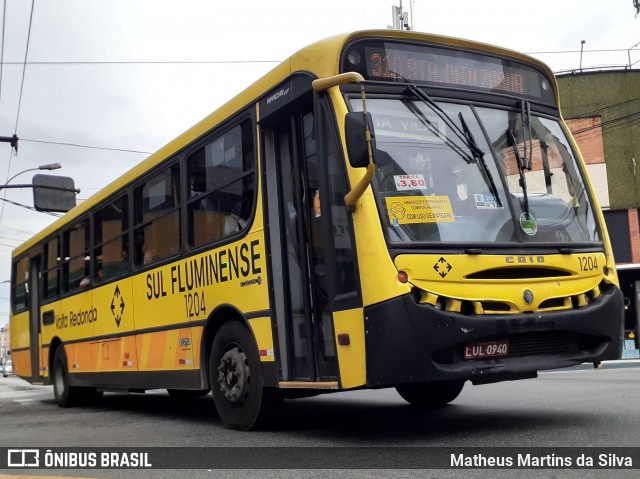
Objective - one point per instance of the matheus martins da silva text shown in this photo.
(544, 461)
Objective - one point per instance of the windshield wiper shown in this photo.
(522, 166)
(464, 135)
(525, 111)
(448, 121)
(479, 155)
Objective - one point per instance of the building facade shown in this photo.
(602, 109)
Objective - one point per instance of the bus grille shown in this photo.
(477, 307)
(552, 343)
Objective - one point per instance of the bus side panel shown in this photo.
(44, 360)
(351, 356)
(261, 328)
(20, 345)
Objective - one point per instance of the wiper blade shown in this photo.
(434, 129)
(464, 135)
(521, 167)
(479, 155)
(525, 111)
(448, 121)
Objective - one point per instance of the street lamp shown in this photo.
(48, 166)
(50, 193)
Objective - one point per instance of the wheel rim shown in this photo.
(234, 376)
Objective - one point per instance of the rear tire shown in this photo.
(65, 394)
(235, 373)
(430, 394)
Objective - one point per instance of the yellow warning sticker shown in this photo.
(419, 209)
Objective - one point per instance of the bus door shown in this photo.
(35, 338)
(303, 229)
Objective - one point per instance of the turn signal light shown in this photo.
(403, 277)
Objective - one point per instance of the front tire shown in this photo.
(235, 374)
(430, 394)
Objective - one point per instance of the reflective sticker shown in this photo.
(485, 202)
(528, 224)
(419, 209)
(409, 182)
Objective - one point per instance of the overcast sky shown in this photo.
(76, 89)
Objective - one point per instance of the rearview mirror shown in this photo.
(54, 193)
(355, 133)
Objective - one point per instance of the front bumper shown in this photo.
(410, 342)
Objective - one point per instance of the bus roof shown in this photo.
(306, 59)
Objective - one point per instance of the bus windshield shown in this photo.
(431, 186)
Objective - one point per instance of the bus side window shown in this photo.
(20, 289)
(222, 182)
(76, 264)
(157, 217)
(50, 274)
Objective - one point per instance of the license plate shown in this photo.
(486, 349)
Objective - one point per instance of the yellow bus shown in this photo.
(383, 209)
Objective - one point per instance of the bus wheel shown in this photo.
(242, 401)
(65, 394)
(430, 394)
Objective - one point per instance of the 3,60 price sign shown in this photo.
(410, 182)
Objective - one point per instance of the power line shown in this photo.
(4, 24)
(77, 145)
(24, 68)
(149, 62)
(15, 203)
(605, 109)
(4, 195)
(578, 51)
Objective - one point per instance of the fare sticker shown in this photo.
(409, 182)
(419, 209)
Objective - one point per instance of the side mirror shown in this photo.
(54, 193)
(355, 132)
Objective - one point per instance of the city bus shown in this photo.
(384, 209)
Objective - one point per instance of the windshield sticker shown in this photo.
(409, 182)
(485, 202)
(419, 209)
(528, 224)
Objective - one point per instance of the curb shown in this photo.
(615, 364)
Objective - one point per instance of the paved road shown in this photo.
(574, 408)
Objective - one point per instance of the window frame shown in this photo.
(246, 123)
(138, 225)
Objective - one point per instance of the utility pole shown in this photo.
(399, 18)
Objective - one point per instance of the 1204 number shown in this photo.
(195, 304)
(588, 263)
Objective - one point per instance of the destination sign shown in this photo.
(424, 64)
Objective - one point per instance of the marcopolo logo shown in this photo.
(23, 458)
